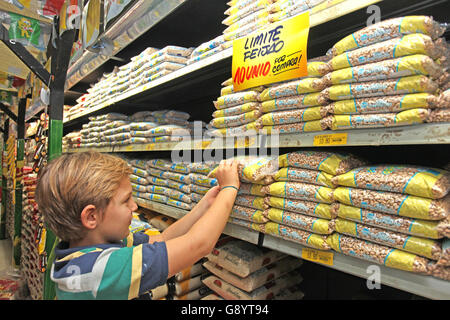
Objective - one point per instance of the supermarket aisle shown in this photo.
(5, 254)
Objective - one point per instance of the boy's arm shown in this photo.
(181, 226)
(201, 238)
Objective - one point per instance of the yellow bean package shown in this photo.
(427, 248)
(300, 191)
(304, 222)
(388, 29)
(310, 208)
(418, 181)
(394, 203)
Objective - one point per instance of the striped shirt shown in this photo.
(123, 270)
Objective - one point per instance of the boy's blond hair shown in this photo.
(70, 182)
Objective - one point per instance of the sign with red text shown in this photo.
(275, 53)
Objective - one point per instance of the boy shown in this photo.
(86, 200)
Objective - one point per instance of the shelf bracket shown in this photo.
(27, 58)
(8, 112)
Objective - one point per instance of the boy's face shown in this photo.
(117, 216)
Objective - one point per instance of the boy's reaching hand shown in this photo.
(227, 174)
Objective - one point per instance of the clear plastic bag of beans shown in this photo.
(251, 189)
(300, 221)
(237, 110)
(202, 180)
(291, 116)
(438, 271)
(356, 121)
(291, 102)
(399, 47)
(235, 99)
(292, 88)
(405, 85)
(393, 258)
(248, 214)
(394, 203)
(444, 99)
(180, 204)
(305, 238)
(418, 64)
(384, 104)
(331, 162)
(250, 201)
(388, 29)
(444, 259)
(310, 208)
(427, 248)
(416, 227)
(440, 115)
(414, 180)
(298, 127)
(299, 191)
(237, 120)
(304, 175)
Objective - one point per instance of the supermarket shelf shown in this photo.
(428, 133)
(340, 8)
(143, 13)
(421, 285)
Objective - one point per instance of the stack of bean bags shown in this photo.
(237, 112)
(188, 285)
(395, 215)
(293, 106)
(105, 130)
(243, 271)
(200, 182)
(387, 74)
(298, 203)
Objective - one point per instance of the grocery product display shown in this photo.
(344, 169)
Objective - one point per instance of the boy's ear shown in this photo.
(90, 217)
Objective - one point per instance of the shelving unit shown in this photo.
(194, 87)
(414, 283)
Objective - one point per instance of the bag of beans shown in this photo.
(298, 127)
(393, 258)
(250, 201)
(248, 214)
(251, 189)
(410, 44)
(416, 227)
(292, 88)
(388, 29)
(300, 221)
(418, 64)
(418, 181)
(394, 203)
(329, 162)
(299, 191)
(237, 110)
(304, 175)
(291, 102)
(405, 85)
(427, 248)
(310, 208)
(305, 238)
(292, 116)
(440, 115)
(180, 204)
(384, 104)
(235, 99)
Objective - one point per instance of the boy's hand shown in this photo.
(211, 195)
(227, 174)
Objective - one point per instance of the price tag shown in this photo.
(313, 255)
(334, 139)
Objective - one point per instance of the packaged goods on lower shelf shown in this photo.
(257, 278)
(161, 222)
(265, 292)
(189, 272)
(242, 258)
